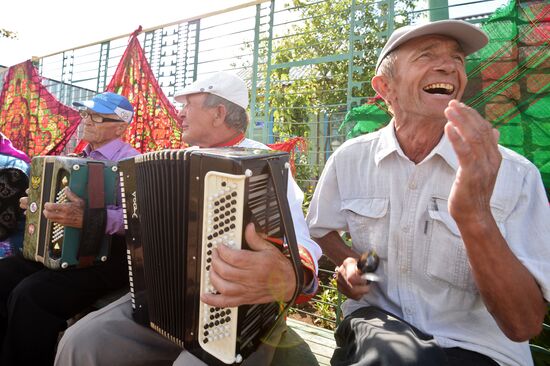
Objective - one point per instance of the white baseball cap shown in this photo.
(223, 84)
(470, 37)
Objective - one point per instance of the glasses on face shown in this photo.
(96, 118)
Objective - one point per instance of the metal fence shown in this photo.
(306, 63)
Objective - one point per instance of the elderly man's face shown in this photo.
(196, 121)
(99, 134)
(429, 72)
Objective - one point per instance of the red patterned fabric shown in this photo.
(31, 117)
(291, 146)
(154, 126)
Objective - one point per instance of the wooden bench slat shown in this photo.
(320, 341)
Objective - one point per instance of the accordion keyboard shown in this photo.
(222, 225)
(58, 229)
(128, 252)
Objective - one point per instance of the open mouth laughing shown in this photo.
(439, 88)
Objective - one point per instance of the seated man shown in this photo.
(14, 180)
(36, 302)
(460, 224)
(213, 115)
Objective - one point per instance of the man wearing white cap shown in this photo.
(213, 115)
(460, 224)
(36, 302)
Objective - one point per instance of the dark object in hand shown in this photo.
(368, 262)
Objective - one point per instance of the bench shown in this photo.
(320, 341)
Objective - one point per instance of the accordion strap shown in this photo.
(96, 191)
(95, 216)
(276, 167)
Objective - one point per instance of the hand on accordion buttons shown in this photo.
(70, 213)
(255, 276)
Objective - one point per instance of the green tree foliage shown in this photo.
(327, 46)
(326, 32)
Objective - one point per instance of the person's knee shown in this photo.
(69, 347)
(72, 336)
(70, 344)
(21, 296)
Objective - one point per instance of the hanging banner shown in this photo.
(154, 126)
(30, 116)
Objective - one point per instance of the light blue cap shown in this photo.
(109, 103)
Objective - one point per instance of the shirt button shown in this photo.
(403, 269)
(412, 185)
(405, 229)
(408, 311)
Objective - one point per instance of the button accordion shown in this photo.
(181, 204)
(55, 245)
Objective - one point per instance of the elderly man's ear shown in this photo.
(121, 128)
(219, 116)
(380, 84)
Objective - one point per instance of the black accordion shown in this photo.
(179, 205)
(55, 245)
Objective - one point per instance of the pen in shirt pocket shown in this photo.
(434, 208)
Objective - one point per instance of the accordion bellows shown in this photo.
(55, 245)
(179, 205)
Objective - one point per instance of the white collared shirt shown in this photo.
(370, 189)
(295, 198)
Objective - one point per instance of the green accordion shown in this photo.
(55, 245)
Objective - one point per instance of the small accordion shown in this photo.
(181, 204)
(58, 246)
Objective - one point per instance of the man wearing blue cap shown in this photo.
(36, 302)
(459, 223)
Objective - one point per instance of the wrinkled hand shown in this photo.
(475, 143)
(69, 213)
(24, 201)
(256, 276)
(348, 278)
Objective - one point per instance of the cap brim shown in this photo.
(470, 37)
(96, 107)
(186, 91)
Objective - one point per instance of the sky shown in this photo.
(50, 26)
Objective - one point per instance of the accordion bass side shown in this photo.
(179, 206)
(55, 245)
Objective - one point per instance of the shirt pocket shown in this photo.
(446, 258)
(368, 224)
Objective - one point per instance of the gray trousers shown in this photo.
(373, 337)
(110, 337)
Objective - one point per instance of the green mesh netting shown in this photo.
(509, 84)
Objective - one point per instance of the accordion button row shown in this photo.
(223, 203)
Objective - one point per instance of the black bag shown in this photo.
(13, 183)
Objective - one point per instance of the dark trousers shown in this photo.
(372, 337)
(36, 302)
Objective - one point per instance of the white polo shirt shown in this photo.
(387, 203)
(295, 198)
